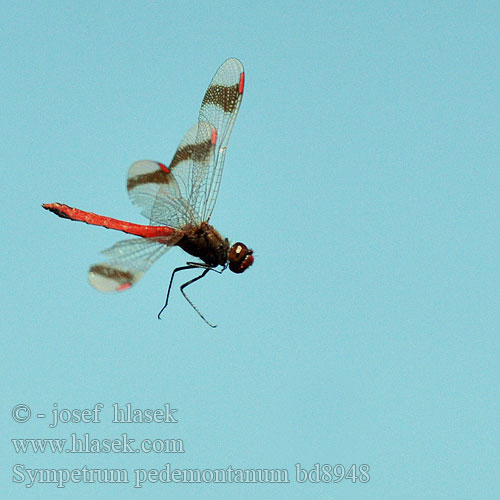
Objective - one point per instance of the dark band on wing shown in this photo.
(158, 177)
(112, 273)
(199, 152)
(221, 95)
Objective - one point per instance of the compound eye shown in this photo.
(237, 252)
(239, 257)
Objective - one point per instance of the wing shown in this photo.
(164, 192)
(185, 191)
(219, 107)
(128, 261)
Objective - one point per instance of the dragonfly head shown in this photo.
(240, 257)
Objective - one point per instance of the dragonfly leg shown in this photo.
(206, 266)
(189, 300)
(170, 286)
(190, 265)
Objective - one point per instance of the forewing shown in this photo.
(185, 191)
(128, 261)
(164, 193)
(219, 107)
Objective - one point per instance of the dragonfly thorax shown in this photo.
(206, 243)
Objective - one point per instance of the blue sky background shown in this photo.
(364, 172)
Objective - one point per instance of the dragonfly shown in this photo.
(178, 199)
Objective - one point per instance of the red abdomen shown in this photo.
(99, 220)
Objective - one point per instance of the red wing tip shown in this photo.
(123, 287)
(242, 82)
(214, 136)
(163, 167)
